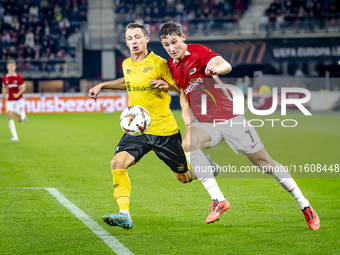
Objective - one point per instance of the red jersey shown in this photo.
(190, 76)
(13, 84)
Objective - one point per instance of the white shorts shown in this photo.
(16, 106)
(236, 132)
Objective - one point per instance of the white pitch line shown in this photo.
(111, 241)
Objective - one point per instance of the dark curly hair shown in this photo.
(169, 28)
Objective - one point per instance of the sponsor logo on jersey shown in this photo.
(212, 97)
(128, 71)
(142, 88)
(192, 71)
(128, 86)
(13, 85)
(146, 69)
(193, 85)
(15, 81)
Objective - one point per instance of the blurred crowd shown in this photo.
(199, 15)
(243, 84)
(34, 30)
(304, 14)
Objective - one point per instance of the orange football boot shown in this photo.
(216, 209)
(312, 218)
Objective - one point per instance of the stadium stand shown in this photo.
(299, 15)
(200, 16)
(42, 35)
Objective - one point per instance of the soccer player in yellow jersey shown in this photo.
(137, 78)
(163, 136)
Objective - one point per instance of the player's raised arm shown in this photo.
(116, 84)
(218, 66)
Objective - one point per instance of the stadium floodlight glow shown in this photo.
(238, 100)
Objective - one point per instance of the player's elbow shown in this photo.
(225, 68)
(228, 68)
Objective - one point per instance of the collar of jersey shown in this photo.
(15, 75)
(149, 53)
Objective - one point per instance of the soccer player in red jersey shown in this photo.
(196, 68)
(13, 84)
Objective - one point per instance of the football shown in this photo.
(135, 120)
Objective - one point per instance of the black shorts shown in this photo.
(167, 148)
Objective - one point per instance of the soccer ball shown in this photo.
(135, 120)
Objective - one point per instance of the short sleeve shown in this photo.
(21, 82)
(209, 55)
(164, 71)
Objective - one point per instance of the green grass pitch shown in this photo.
(72, 153)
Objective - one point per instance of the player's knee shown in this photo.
(186, 145)
(9, 115)
(117, 163)
(193, 142)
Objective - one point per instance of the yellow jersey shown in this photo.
(156, 101)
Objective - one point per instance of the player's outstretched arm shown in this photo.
(116, 84)
(163, 85)
(218, 66)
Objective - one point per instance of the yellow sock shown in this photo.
(121, 188)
